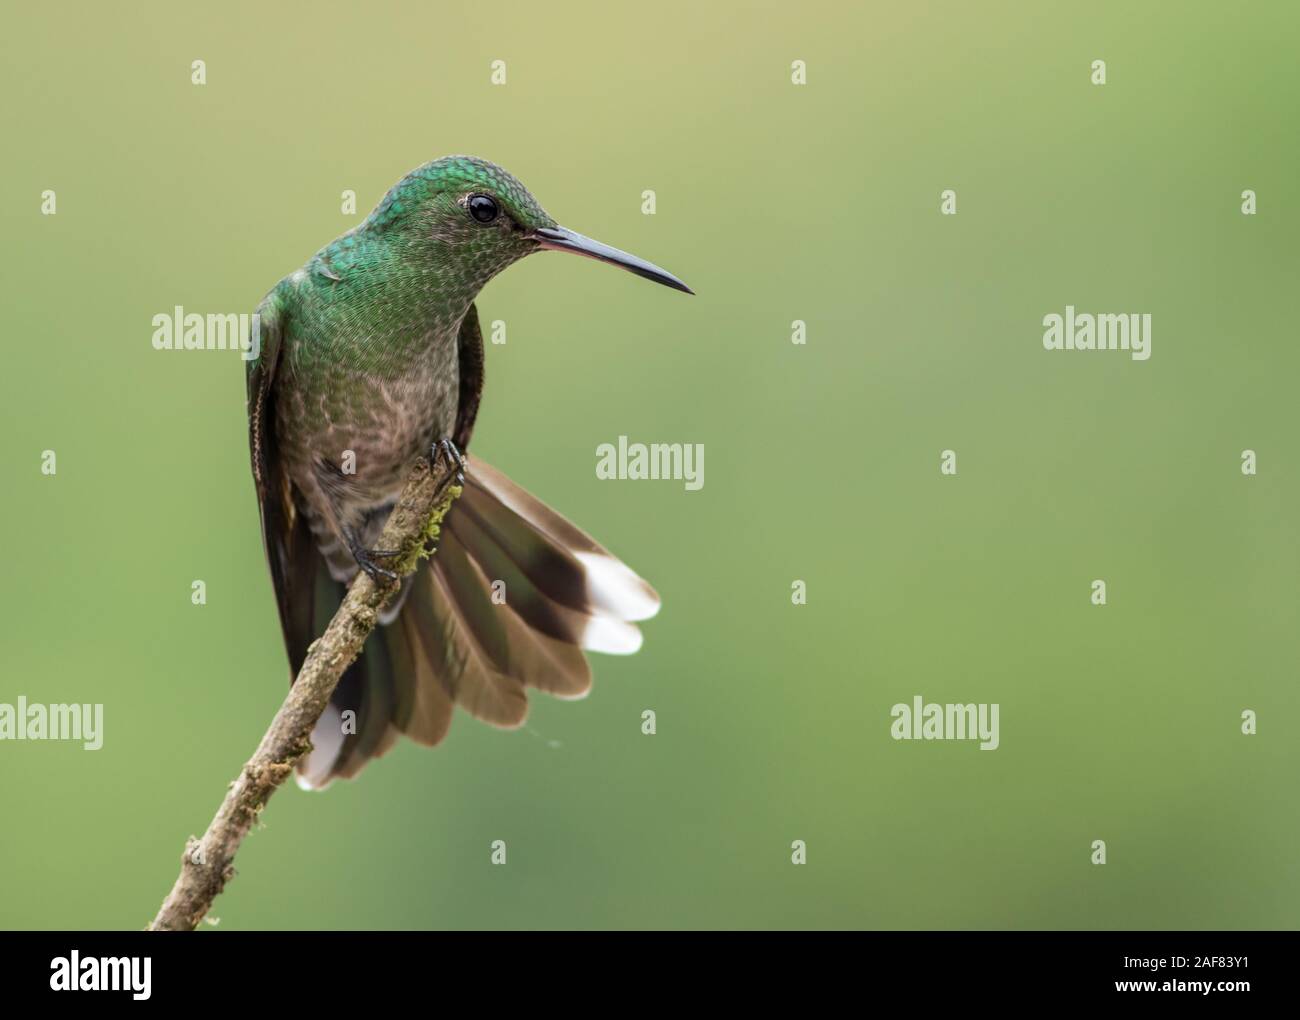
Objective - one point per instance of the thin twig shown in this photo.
(208, 863)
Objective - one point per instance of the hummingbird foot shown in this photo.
(366, 559)
(445, 449)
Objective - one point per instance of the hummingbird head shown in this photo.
(481, 220)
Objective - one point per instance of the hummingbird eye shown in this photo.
(482, 207)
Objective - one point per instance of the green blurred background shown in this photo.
(776, 203)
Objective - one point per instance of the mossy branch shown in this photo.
(208, 863)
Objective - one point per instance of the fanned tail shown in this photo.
(513, 596)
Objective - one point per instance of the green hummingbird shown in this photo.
(371, 356)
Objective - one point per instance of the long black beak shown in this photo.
(560, 239)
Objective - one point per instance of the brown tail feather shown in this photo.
(519, 655)
(590, 629)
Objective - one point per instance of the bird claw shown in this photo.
(366, 561)
(445, 450)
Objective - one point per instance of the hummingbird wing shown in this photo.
(471, 378)
(289, 549)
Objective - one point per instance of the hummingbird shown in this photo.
(371, 356)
